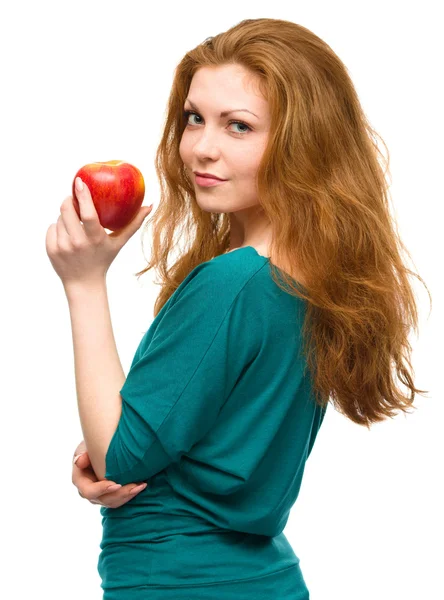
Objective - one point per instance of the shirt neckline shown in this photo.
(245, 248)
(266, 258)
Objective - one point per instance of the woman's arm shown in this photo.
(98, 371)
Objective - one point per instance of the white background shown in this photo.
(88, 81)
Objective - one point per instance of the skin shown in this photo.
(211, 143)
(90, 488)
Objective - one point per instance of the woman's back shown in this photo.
(219, 418)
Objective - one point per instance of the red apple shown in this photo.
(117, 189)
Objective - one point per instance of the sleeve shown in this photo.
(179, 383)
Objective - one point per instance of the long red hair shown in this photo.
(322, 184)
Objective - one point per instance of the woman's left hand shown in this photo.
(83, 253)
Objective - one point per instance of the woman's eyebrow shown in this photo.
(225, 112)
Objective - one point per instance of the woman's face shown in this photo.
(212, 144)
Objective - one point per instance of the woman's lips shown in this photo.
(208, 181)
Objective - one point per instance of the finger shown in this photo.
(51, 239)
(122, 496)
(92, 490)
(128, 490)
(83, 477)
(82, 460)
(88, 213)
(70, 219)
(62, 234)
(127, 232)
(137, 488)
(80, 448)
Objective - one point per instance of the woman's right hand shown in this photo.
(90, 488)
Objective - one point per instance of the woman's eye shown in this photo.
(188, 113)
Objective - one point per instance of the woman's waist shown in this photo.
(145, 524)
(161, 538)
(162, 507)
(181, 551)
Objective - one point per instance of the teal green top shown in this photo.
(218, 417)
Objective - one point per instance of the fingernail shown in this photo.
(114, 487)
(79, 184)
(138, 488)
(76, 458)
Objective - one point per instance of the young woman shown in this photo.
(291, 292)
